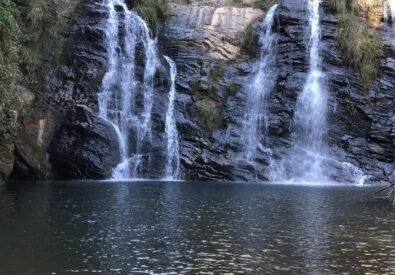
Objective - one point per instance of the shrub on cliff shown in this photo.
(215, 75)
(370, 9)
(249, 40)
(154, 12)
(210, 116)
(361, 44)
(31, 36)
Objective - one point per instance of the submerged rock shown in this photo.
(85, 147)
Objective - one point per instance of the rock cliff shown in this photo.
(205, 38)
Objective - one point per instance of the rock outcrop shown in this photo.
(31, 144)
(214, 28)
(24, 100)
(85, 147)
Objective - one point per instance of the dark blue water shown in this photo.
(153, 227)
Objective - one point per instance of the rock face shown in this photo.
(203, 37)
(79, 81)
(214, 28)
(24, 99)
(361, 121)
(86, 146)
(32, 142)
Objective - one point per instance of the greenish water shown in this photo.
(156, 227)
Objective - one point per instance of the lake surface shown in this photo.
(179, 227)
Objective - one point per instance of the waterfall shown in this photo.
(309, 159)
(172, 159)
(311, 108)
(308, 154)
(125, 31)
(255, 124)
(389, 10)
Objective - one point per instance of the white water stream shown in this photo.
(256, 121)
(125, 32)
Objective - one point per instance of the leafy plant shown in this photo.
(154, 12)
(215, 74)
(361, 44)
(210, 117)
(27, 30)
(248, 39)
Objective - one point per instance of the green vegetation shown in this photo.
(154, 12)
(370, 9)
(210, 116)
(31, 35)
(209, 105)
(248, 39)
(361, 44)
(215, 74)
(43, 32)
(10, 34)
(233, 88)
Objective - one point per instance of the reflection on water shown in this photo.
(152, 227)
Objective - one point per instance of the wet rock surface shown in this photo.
(361, 120)
(85, 147)
(204, 39)
(79, 81)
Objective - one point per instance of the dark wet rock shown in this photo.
(364, 114)
(6, 159)
(361, 121)
(85, 147)
(79, 81)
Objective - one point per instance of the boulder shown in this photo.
(85, 147)
(31, 144)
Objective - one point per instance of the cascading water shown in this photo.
(256, 123)
(125, 31)
(311, 109)
(172, 158)
(310, 159)
(389, 11)
(304, 161)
